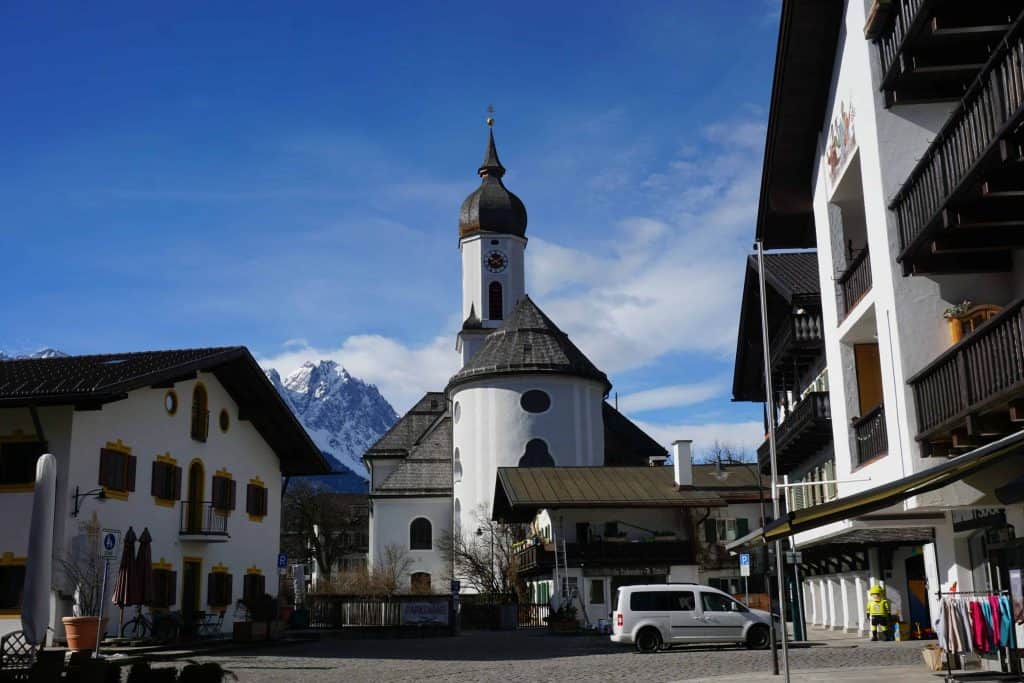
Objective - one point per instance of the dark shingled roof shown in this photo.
(521, 491)
(624, 443)
(491, 207)
(792, 274)
(91, 381)
(428, 469)
(404, 434)
(528, 342)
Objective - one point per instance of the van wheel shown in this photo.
(758, 638)
(648, 640)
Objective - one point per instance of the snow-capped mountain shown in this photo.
(41, 353)
(343, 414)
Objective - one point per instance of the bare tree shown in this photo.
(320, 525)
(725, 452)
(390, 570)
(484, 557)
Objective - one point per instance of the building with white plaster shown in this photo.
(190, 445)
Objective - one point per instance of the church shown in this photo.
(526, 398)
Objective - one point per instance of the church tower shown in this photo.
(492, 240)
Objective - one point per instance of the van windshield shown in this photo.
(662, 601)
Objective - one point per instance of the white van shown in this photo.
(656, 616)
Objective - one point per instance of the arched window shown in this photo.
(536, 454)
(458, 518)
(200, 414)
(457, 467)
(420, 582)
(420, 534)
(494, 301)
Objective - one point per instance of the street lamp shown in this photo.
(98, 494)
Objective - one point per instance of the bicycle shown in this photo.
(163, 627)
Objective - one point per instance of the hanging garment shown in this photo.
(977, 621)
(963, 614)
(993, 610)
(943, 626)
(1005, 620)
(987, 626)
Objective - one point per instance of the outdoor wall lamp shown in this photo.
(98, 494)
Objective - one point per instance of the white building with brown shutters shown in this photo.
(193, 444)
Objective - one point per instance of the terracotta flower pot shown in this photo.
(81, 631)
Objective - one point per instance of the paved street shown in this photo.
(536, 656)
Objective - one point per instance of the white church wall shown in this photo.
(493, 429)
(389, 526)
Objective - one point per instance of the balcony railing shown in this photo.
(856, 280)
(801, 434)
(542, 556)
(965, 149)
(202, 519)
(871, 436)
(907, 16)
(796, 346)
(984, 369)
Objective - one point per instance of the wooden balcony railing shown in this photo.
(965, 147)
(907, 15)
(985, 368)
(870, 433)
(801, 434)
(607, 552)
(856, 281)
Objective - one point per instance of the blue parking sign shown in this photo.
(744, 564)
(282, 560)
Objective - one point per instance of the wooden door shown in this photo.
(869, 376)
(195, 497)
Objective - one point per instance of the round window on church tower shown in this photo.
(535, 401)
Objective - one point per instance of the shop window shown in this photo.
(218, 589)
(494, 301)
(420, 534)
(420, 582)
(254, 586)
(117, 470)
(535, 401)
(12, 580)
(200, 413)
(18, 462)
(166, 481)
(256, 500)
(597, 591)
(223, 493)
(536, 455)
(165, 585)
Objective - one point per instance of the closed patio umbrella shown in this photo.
(124, 586)
(35, 610)
(143, 585)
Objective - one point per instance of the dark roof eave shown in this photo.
(475, 375)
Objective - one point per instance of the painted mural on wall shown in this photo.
(842, 142)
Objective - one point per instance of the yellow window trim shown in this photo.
(164, 502)
(114, 494)
(256, 518)
(256, 481)
(9, 559)
(222, 472)
(18, 435)
(18, 488)
(166, 458)
(254, 570)
(219, 568)
(10, 612)
(119, 446)
(174, 398)
(163, 565)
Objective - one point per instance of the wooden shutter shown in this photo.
(107, 464)
(212, 585)
(255, 500)
(231, 486)
(129, 472)
(158, 481)
(263, 502)
(176, 483)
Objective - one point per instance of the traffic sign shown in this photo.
(282, 560)
(794, 557)
(111, 542)
(744, 564)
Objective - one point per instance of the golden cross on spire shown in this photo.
(490, 115)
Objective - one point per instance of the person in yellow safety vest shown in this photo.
(878, 612)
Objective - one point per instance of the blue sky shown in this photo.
(287, 176)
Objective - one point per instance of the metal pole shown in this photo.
(103, 594)
(769, 401)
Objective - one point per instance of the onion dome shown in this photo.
(492, 208)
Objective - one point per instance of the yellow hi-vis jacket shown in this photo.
(878, 608)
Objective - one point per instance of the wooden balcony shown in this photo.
(607, 553)
(931, 50)
(973, 393)
(855, 281)
(797, 345)
(800, 435)
(871, 435)
(962, 207)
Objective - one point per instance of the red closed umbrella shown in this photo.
(123, 587)
(143, 594)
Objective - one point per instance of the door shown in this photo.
(195, 497)
(191, 575)
(869, 377)
(684, 619)
(723, 617)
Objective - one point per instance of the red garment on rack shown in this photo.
(979, 627)
(993, 601)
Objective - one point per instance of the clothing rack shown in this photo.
(1006, 652)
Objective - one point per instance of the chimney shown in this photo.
(682, 461)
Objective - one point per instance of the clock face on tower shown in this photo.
(496, 261)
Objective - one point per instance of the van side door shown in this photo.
(723, 617)
(686, 624)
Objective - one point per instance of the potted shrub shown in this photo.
(84, 576)
(563, 620)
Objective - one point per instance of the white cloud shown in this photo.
(402, 373)
(676, 395)
(746, 436)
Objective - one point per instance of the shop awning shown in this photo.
(881, 497)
